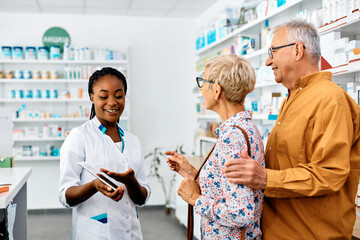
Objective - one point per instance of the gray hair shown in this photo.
(299, 30)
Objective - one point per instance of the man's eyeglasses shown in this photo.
(200, 81)
(270, 50)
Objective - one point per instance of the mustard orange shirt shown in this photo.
(313, 162)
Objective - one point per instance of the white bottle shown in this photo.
(66, 53)
(264, 34)
(82, 53)
(45, 131)
(87, 53)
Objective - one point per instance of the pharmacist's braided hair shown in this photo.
(99, 74)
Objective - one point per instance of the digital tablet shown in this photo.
(103, 177)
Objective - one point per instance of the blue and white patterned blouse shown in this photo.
(226, 207)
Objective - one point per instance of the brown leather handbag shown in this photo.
(190, 220)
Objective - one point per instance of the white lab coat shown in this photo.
(88, 143)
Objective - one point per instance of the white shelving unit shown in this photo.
(254, 24)
(40, 158)
(24, 120)
(61, 112)
(38, 139)
(31, 100)
(65, 62)
(5, 80)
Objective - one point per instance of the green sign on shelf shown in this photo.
(56, 36)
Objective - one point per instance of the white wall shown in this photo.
(162, 69)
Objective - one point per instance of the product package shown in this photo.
(211, 33)
(30, 53)
(54, 52)
(244, 45)
(6, 52)
(43, 53)
(200, 39)
(18, 52)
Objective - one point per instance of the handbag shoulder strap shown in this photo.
(243, 230)
(246, 139)
(190, 219)
(207, 157)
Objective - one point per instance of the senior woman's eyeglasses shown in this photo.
(270, 50)
(200, 81)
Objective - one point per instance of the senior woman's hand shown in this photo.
(189, 190)
(180, 164)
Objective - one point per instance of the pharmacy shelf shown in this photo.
(40, 158)
(207, 139)
(31, 81)
(208, 117)
(270, 117)
(343, 70)
(25, 120)
(256, 53)
(347, 24)
(29, 120)
(260, 116)
(255, 117)
(62, 62)
(41, 100)
(266, 83)
(37, 139)
(250, 25)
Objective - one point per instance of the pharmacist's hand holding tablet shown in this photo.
(104, 183)
(127, 178)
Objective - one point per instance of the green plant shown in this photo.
(157, 158)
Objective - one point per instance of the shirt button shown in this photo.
(127, 217)
(269, 148)
(278, 123)
(300, 88)
(127, 231)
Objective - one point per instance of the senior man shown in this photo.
(313, 152)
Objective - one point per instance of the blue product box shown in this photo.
(30, 53)
(43, 53)
(18, 52)
(18, 74)
(211, 36)
(6, 52)
(200, 42)
(280, 3)
(27, 74)
(55, 52)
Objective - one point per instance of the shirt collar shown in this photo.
(310, 79)
(102, 128)
(243, 115)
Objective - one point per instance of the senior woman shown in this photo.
(228, 211)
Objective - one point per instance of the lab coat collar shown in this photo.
(102, 128)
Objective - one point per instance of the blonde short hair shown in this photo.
(234, 74)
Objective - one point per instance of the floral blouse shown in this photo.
(226, 208)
